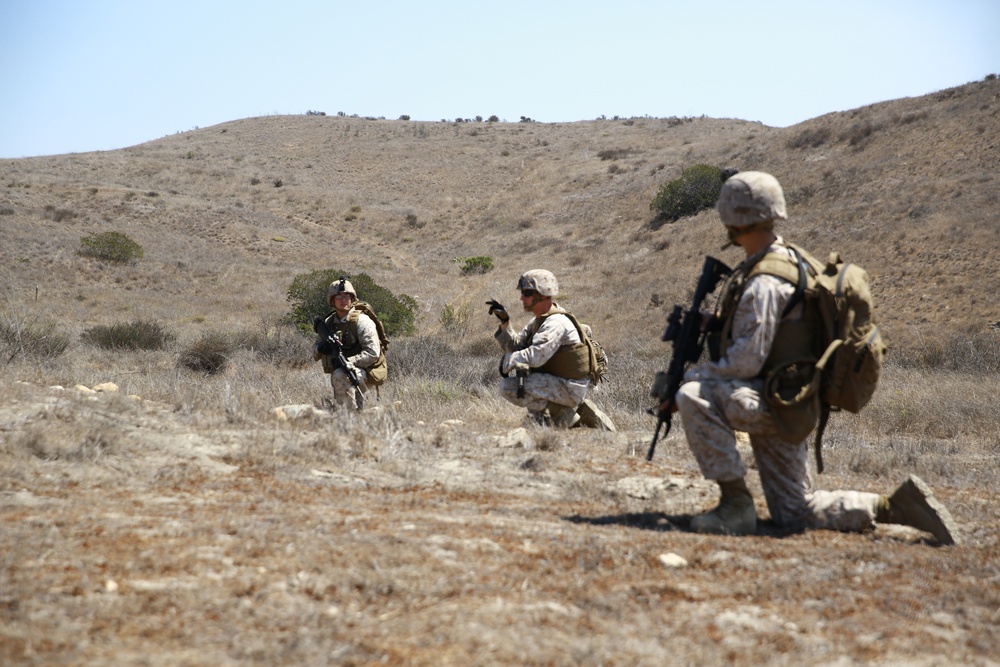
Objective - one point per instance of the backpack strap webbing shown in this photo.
(824, 416)
(775, 265)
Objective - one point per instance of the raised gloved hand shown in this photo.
(496, 308)
(324, 347)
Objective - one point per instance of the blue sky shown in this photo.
(90, 75)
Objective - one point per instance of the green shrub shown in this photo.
(209, 354)
(472, 265)
(30, 338)
(308, 293)
(110, 247)
(137, 335)
(698, 188)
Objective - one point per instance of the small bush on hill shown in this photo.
(697, 189)
(58, 214)
(308, 293)
(859, 134)
(110, 247)
(614, 153)
(810, 138)
(473, 265)
(137, 335)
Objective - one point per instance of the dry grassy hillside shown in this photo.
(906, 188)
(177, 518)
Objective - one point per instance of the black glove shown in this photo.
(496, 308)
(325, 347)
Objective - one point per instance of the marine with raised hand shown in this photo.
(546, 366)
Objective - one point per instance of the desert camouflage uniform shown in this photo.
(540, 388)
(344, 392)
(721, 397)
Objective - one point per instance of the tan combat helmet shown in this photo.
(341, 284)
(751, 197)
(540, 280)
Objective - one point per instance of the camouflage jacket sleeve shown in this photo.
(510, 341)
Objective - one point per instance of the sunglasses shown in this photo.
(528, 293)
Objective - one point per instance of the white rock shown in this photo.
(672, 561)
(518, 438)
(298, 411)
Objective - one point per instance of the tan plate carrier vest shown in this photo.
(570, 361)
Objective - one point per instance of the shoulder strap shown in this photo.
(794, 271)
(536, 323)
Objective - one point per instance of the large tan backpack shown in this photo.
(849, 368)
(379, 370)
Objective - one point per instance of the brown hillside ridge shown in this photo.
(154, 511)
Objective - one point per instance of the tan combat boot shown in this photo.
(913, 504)
(592, 417)
(563, 416)
(735, 514)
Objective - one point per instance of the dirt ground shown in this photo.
(137, 534)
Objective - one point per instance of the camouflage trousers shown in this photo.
(344, 393)
(540, 388)
(712, 410)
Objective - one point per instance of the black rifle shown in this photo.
(685, 331)
(331, 345)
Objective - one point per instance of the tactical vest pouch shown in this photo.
(327, 363)
(792, 392)
(378, 372)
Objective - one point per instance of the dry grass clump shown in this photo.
(975, 353)
(135, 335)
(31, 337)
(209, 354)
